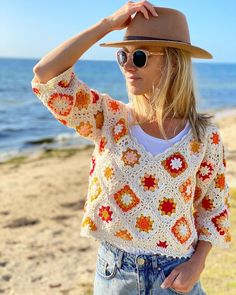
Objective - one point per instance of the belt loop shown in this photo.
(154, 261)
(119, 257)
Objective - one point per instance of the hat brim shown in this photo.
(196, 52)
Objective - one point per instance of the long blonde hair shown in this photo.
(179, 86)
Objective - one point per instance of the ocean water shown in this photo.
(27, 126)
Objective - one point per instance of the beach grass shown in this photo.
(16, 160)
(48, 153)
(60, 153)
(219, 275)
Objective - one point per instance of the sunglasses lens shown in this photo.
(139, 58)
(121, 57)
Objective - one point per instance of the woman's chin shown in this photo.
(136, 91)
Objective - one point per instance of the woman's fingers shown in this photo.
(145, 7)
(150, 7)
(122, 17)
(144, 11)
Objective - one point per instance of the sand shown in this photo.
(42, 199)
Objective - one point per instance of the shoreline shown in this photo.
(38, 151)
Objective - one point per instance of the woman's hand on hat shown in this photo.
(123, 16)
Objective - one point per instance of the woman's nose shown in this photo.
(129, 64)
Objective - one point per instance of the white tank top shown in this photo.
(153, 144)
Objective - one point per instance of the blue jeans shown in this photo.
(123, 273)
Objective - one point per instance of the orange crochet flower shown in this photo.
(194, 147)
(102, 144)
(130, 157)
(36, 90)
(167, 206)
(186, 190)
(65, 83)
(220, 222)
(149, 182)
(203, 231)
(93, 164)
(82, 99)
(62, 121)
(124, 234)
(89, 222)
(108, 172)
(105, 213)
(99, 119)
(95, 96)
(205, 170)
(175, 164)
(162, 244)
(181, 230)
(207, 203)
(220, 181)
(126, 198)
(84, 129)
(227, 236)
(144, 223)
(119, 129)
(94, 189)
(113, 105)
(60, 104)
(215, 138)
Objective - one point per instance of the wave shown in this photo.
(40, 141)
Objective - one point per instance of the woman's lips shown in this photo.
(131, 79)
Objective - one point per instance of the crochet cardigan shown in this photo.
(160, 203)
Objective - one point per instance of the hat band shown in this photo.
(150, 38)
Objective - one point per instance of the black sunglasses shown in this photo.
(139, 57)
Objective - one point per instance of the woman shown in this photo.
(157, 198)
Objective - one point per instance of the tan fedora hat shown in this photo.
(168, 29)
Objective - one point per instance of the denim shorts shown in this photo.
(123, 273)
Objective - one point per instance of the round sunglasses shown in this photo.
(139, 57)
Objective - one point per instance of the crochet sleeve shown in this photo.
(72, 103)
(211, 201)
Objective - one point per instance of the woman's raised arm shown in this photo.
(66, 54)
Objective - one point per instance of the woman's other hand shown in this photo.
(184, 276)
(122, 17)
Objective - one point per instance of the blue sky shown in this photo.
(30, 28)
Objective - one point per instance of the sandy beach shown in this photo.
(42, 199)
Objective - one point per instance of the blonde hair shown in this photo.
(178, 85)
